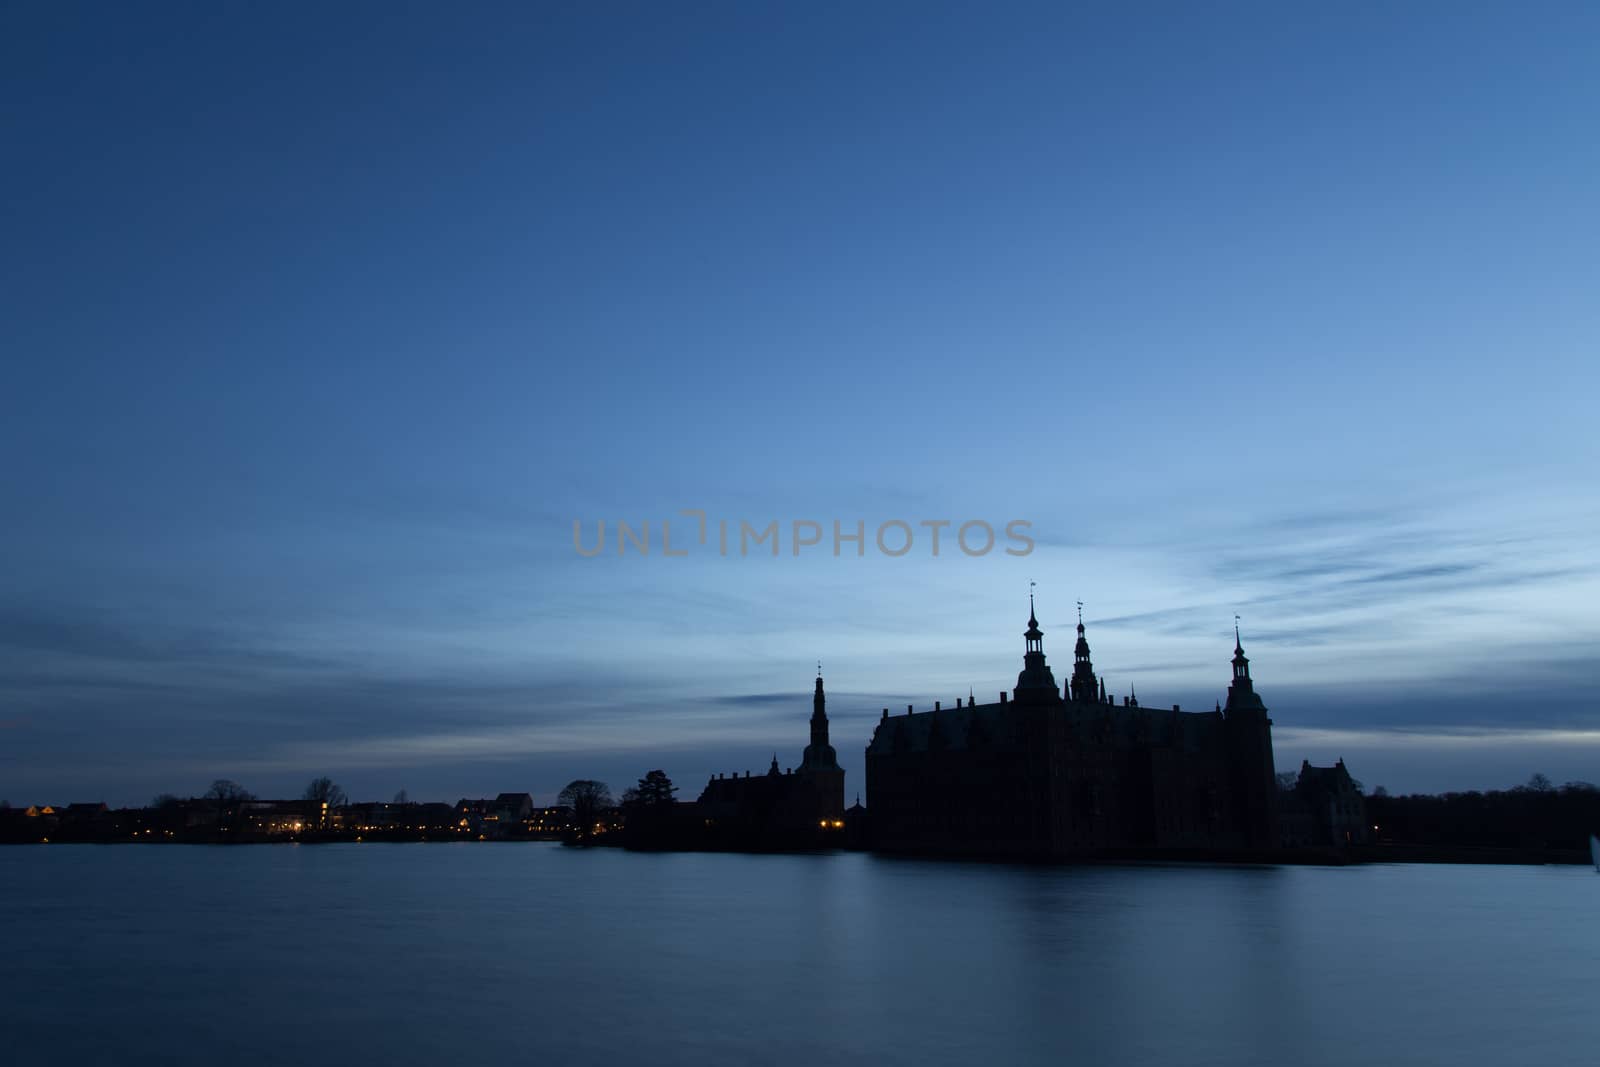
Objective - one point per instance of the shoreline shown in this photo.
(1349, 856)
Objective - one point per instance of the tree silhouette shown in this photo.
(653, 789)
(402, 797)
(228, 791)
(585, 797)
(163, 800)
(327, 791)
(649, 811)
(1518, 818)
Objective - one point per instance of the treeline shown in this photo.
(1538, 815)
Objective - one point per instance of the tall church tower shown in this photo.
(819, 782)
(1036, 684)
(819, 755)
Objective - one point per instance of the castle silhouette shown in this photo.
(1058, 772)
(1048, 772)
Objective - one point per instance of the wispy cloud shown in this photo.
(1435, 737)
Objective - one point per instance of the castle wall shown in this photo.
(1068, 779)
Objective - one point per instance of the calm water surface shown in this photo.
(527, 953)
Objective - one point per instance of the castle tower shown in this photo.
(1036, 684)
(1241, 692)
(1083, 687)
(1249, 731)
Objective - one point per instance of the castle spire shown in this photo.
(1036, 684)
(1241, 665)
(1083, 686)
(1241, 693)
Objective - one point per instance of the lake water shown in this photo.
(467, 954)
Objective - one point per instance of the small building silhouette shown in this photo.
(513, 807)
(1326, 807)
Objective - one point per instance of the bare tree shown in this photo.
(1287, 780)
(585, 797)
(402, 797)
(228, 792)
(163, 800)
(327, 791)
(1539, 784)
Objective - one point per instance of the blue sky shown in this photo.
(321, 327)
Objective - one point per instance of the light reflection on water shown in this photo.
(488, 954)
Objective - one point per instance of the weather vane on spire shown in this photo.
(819, 668)
(1080, 613)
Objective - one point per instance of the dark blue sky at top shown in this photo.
(322, 325)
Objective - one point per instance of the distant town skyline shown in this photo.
(324, 328)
